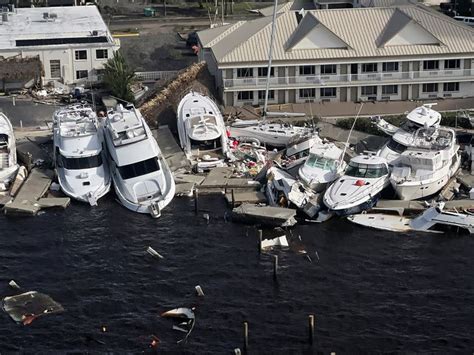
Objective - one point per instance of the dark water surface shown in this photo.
(370, 291)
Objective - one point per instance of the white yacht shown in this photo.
(272, 134)
(401, 137)
(8, 163)
(423, 169)
(297, 153)
(142, 179)
(79, 154)
(202, 132)
(324, 165)
(359, 188)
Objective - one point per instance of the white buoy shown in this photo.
(199, 291)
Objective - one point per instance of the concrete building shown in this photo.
(359, 54)
(73, 43)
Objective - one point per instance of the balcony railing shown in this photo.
(351, 79)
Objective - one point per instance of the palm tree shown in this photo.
(118, 76)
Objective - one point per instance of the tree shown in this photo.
(463, 7)
(118, 77)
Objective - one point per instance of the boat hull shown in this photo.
(98, 193)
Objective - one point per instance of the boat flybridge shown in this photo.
(427, 165)
(401, 137)
(324, 165)
(8, 162)
(142, 179)
(79, 154)
(360, 186)
(202, 132)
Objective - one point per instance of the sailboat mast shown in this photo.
(350, 132)
(270, 53)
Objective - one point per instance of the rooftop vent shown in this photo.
(95, 33)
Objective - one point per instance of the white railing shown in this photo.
(370, 78)
(156, 75)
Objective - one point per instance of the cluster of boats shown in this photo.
(91, 155)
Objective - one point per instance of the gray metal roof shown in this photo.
(363, 29)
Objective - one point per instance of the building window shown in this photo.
(328, 92)
(369, 68)
(369, 90)
(262, 72)
(261, 94)
(452, 64)
(390, 90)
(307, 70)
(101, 54)
(55, 68)
(245, 95)
(244, 72)
(430, 65)
(431, 87)
(81, 55)
(80, 74)
(390, 66)
(328, 69)
(307, 93)
(447, 87)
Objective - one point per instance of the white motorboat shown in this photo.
(8, 163)
(324, 165)
(79, 155)
(142, 179)
(279, 184)
(360, 186)
(298, 152)
(402, 137)
(263, 132)
(202, 133)
(423, 169)
(427, 221)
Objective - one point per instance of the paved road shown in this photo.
(29, 113)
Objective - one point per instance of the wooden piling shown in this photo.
(311, 329)
(233, 198)
(275, 266)
(246, 335)
(260, 237)
(196, 201)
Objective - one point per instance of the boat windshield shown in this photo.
(410, 126)
(140, 168)
(315, 161)
(366, 171)
(211, 144)
(396, 147)
(79, 163)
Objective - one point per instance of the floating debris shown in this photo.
(154, 253)
(154, 341)
(182, 313)
(13, 284)
(276, 242)
(199, 291)
(26, 307)
(264, 215)
(206, 217)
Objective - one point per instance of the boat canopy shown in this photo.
(425, 116)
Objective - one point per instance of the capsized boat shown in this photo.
(264, 132)
(324, 165)
(202, 132)
(426, 167)
(402, 138)
(8, 162)
(142, 179)
(79, 155)
(359, 188)
(427, 221)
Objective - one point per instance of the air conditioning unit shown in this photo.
(449, 72)
(447, 95)
(309, 100)
(371, 75)
(325, 77)
(310, 78)
(249, 103)
(372, 98)
(326, 100)
(432, 96)
(433, 73)
(385, 98)
(248, 80)
(387, 75)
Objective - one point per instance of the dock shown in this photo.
(418, 206)
(29, 200)
(170, 149)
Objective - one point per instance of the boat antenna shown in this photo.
(270, 53)
(350, 132)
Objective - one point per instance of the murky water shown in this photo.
(370, 291)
